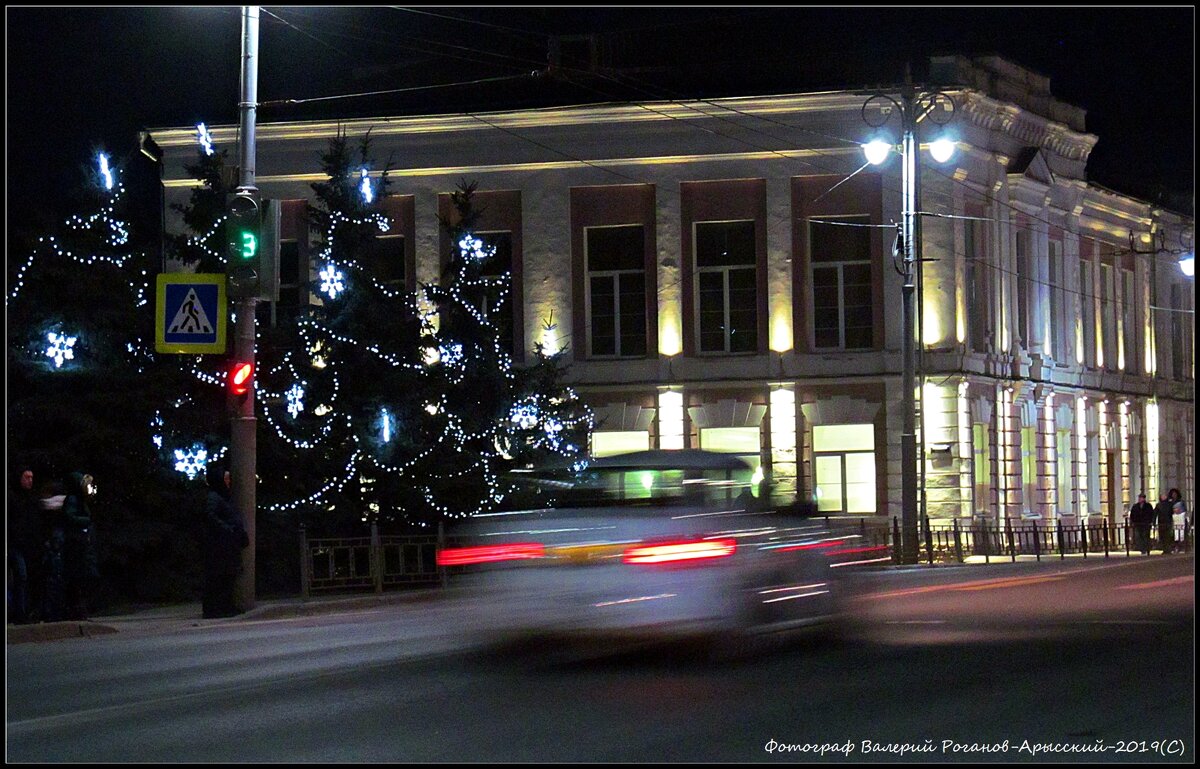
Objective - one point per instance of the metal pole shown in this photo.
(908, 437)
(243, 427)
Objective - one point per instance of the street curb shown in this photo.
(55, 631)
(315, 607)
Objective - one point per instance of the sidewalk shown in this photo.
(179, 616)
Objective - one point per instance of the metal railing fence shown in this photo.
(377, 561)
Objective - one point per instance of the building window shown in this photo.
(1056, 321)
(727, 287)
(982, 467)
(1088, 298)
(496, 272)
(384, 261)
(1177, 349)
(293, 284)
(978, 277)
(1108, 345)
(1129, 321)
(616, 291)
(844, 466)
(606, 443)
(1024, 286)
(743, 442)
(840, 256)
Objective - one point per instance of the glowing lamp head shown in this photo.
(1187, 264)
(876, 151)
(942, 150)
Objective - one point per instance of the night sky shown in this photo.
(84, 78)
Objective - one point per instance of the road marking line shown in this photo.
(1160, 583)
(1127, 622)
(961, 585)
(1017, 582)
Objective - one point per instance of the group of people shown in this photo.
(51, 558)
(52, 564)
(1169, 513)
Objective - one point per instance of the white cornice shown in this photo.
(1028, 127)
(558, 165)
(534, 118)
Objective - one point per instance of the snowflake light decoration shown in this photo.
(331, 281)
(105, 171)
(525, 415)
(385, 420)
(205, 138)
(365, 188)
(192, 461)
(295, 399)
(451, 355)
(472, 248)
(60, 348)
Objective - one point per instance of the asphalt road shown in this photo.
(956, 660)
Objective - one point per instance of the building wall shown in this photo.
(1000, 410)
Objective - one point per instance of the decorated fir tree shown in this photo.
(483, 412)
(84, 386)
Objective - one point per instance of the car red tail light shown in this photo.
(680, 550)
(463, 556)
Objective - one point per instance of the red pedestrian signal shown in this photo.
(241, 374)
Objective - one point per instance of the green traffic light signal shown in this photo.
(249, 245)
(244, 225)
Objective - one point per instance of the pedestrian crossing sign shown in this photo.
(190, 312)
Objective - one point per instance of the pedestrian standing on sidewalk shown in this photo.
(79, 555)
(24, 548)
(224, 538)
(1164, 512)
(1180, 516)
(53, 599)
(1141, 518)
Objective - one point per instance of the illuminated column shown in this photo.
(429, 257)
(783, 440)
(1004, 440)
(779, 266)
(965, 452)
(1151, 433)
(1049, 470)
(1127, 486)
(670, 289)
(670, 419)
(937, 282)
(1147, 320)
(1082, 482)
(547, 275)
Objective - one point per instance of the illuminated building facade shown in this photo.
(722, 275)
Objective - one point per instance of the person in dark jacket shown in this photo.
(1164, 513)
(79, 557)
(1141, 518)
(224, 538)
(24, 547)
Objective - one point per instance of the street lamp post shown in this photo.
(243, 424)
(914, 105)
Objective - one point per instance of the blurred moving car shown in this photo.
(650, 545)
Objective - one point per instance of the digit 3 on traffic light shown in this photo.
(244, 257)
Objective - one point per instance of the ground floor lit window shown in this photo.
(844, 468)
(745, 443)
(606, 443)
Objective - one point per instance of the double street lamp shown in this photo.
(914, 106)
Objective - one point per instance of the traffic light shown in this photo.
(244, 235)
(241, 377)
